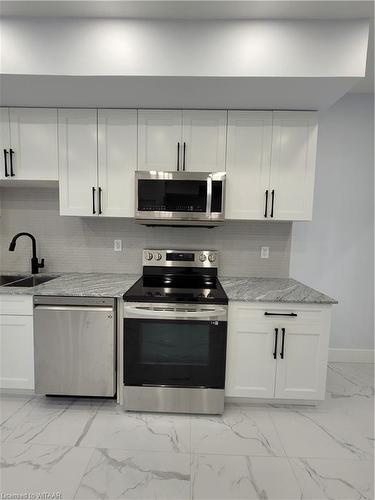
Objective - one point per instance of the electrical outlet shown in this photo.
(264, 252)
(117, 245)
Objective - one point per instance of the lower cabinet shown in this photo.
(16, 342)
(277, 350)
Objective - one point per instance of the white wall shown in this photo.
(335, 252)
(278, 48)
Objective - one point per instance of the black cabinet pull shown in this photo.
(293, 315)
(6, 163)
(282, 343)
(93, 200)
(178, 156)
(275, 348)
(266, 207)
(12, 174)
(183, 161)
(100, 200)
(272, 201)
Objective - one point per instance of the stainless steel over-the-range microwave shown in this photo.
(180, 198)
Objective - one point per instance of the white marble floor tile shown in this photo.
(239, 431)
(222, 477)
(139, 431)
(36, 469)
(138, 475)
(10, 404)
(350, 379)
(321, 478)
(320, 434)
(56, 422)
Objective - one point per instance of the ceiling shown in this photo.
(205, 10)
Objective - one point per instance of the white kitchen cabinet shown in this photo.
(204, 134)
(159, 139)
(294, 144)
(271, 165)
(251, 368)
(78, 164)
(4, 143)
(16, 343)
(117, 161)
(33, 135)
(281, 356)
(191, 140)
(248, 163)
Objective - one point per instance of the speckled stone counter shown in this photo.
(79, 285)
(286, 290)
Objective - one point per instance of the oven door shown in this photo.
(180, 196)
(174, 345)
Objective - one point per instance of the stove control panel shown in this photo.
(180, 258)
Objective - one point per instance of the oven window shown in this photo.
(172, 344)
(177, 353)
(172, 195)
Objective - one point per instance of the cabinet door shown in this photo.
(17, 352)
(251, 366)
(33, 134)
(204, 134)
(4, 143)
(159, 139)
(248, 164)
(294, 145)
(117, 161)
(78, 162)
(301, 373)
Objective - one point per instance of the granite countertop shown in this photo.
(284, 290)
(77, 284)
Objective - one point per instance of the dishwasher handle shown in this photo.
(74, 308)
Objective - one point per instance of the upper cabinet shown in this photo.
(117, 161)
(97, 160)
(191, 140)
(159, 139)
(294, 144)
(204, 137)
(248, 163)
(271, 165)
(29, 144)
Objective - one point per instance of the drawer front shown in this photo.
(306, 319)
(17, 305)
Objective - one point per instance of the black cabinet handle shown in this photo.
(266, 207)
(282, 343)
(293, 315)
(12, 174)
(183, 161)
(93, 200)
(275, 348)
(100, 200)
(178, 156)
(6, 163)
(272, 201)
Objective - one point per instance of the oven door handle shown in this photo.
(150, 312)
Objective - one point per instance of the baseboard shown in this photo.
(351, 355)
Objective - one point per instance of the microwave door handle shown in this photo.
(209, 197)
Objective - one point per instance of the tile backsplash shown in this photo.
(86, 244)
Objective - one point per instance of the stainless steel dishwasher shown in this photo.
(75, 346)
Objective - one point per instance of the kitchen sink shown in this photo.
(30, 281)
(5, 280)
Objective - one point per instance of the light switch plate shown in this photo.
(117, 245)
(264, 252)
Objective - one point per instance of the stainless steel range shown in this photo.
(175, 334)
